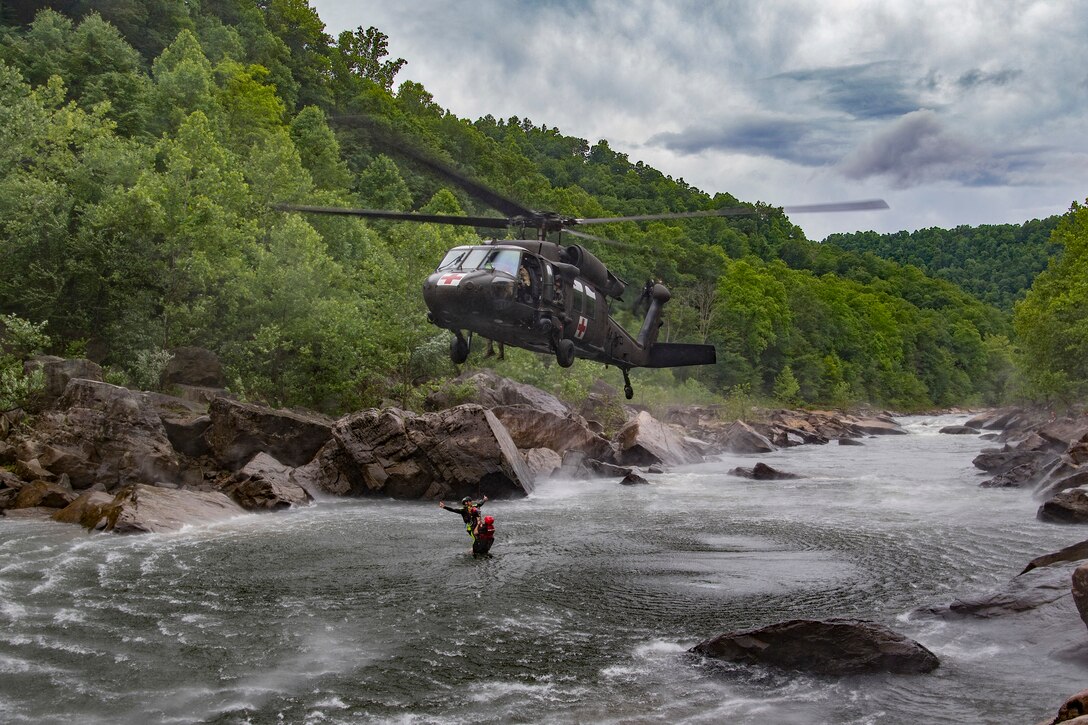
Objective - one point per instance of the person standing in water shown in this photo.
(469, 510)
(483, 536)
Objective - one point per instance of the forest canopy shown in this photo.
(145, 144)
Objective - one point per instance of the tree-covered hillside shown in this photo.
(995, 262)
(145, 145)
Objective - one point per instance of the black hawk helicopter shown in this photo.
(542, 295)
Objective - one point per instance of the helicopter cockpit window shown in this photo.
(462, 258)
(504, 260)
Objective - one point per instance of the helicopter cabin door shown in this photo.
(585, 312)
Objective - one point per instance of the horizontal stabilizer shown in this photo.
(678, 354)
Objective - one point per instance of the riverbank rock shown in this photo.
(830, 647)
(1035, 588)
(57, 371)
(490, 390)
(1067, 507)
(265, 484)
(1080, 591)
(141, 509)
(1074, 711)
(532, 428)
(742, 438)
(453, 453)
(238, 431)
(762, 472)
(645, 441)
(100, 433)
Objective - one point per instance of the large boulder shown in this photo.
(831, 647)
(532, 428)
(141, 509)
(193, 366)
(44, 493)
(542, 462)
(1067, 507)
(1035, 588)
(86, 510)
(238, 431)
(1074, 711)
(644, 441)
(452, 453)
(57, 371)
(742, 438)
(101, 433)
(265, 484)
(1080, 590)
(762, 472)
(486, 388)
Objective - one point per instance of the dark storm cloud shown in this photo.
(801, 142)
(865, 91)
(918, 149)
(976, 77)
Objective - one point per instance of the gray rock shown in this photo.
(1067, 507)
(193, 366)
(150, 509)
(832, 647)
(461, 451)
(742, 438)
(238, 431)
(1080, 591)
(762, 472)
(101, 433)
(644, 441)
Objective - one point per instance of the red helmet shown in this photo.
(489, 519)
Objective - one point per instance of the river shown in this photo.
(357, 611)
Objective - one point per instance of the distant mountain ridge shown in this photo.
(995, 262)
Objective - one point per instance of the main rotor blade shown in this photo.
(728, 211)
(868, 204)
(602, 240)
(403, 216)
(489, 196)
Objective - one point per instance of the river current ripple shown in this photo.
(373, 610)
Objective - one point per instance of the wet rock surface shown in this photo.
(828, 647)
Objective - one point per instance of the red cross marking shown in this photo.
(450, 279)
(581, 330)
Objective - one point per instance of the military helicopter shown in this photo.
(542, 295)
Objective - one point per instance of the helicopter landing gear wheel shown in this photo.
(628, 391)
(564, 353)
(458, 349)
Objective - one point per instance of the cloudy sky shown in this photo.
(954, 112)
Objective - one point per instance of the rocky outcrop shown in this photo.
(56, 372)
(490, 390)
(100, 433)
(152, 509)
(238, 431)
(644, 441)
(265, 484)
(1067, 507)
(829, 647)
(531, 428)
(542, 462)
(742, 438)
(461, 451)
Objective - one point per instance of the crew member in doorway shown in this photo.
(644, 299)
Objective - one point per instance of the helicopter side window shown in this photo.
(590, 302)
(578, 299)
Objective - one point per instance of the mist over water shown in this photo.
(373, 610)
